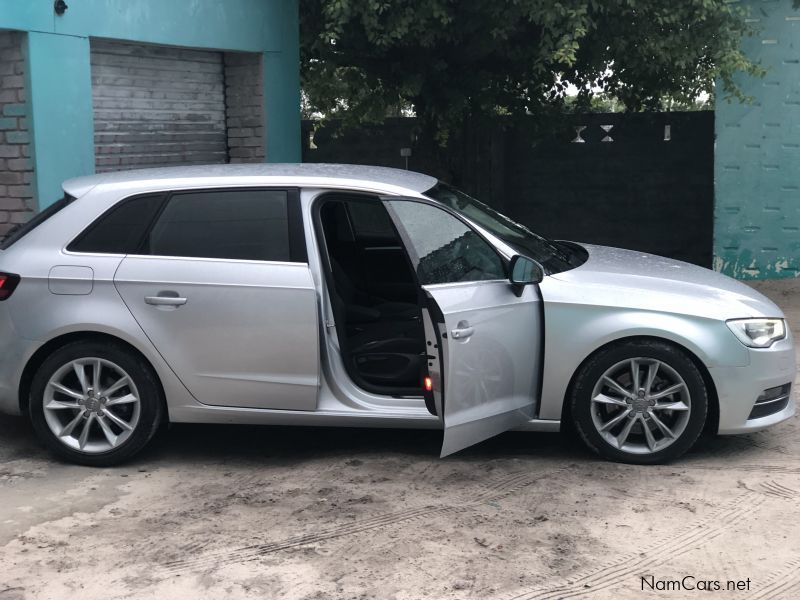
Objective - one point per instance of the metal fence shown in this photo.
(639, 181)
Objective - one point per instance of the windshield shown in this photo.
(553, 256)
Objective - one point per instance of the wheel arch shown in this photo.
(712, 419)
(41, 354)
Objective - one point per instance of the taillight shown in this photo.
(8, 283)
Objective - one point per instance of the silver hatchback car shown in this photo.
(362, 296)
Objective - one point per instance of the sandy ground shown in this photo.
(239, 512)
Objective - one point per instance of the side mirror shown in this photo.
(524, 271)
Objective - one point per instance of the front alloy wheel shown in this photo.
(642, 401)
(641, 405)
(95, 403)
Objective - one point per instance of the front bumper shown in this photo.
(739, 387)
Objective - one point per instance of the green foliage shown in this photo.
(452, 60)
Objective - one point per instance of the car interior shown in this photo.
(374, 295)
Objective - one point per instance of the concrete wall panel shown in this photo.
(757, 155)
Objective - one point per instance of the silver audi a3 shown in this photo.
(361, 296)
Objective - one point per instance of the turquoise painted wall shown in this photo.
(757, 155)
(247, 25)
(59, 111)
(280, 99)
(59, 78)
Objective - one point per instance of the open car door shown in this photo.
(484, 337)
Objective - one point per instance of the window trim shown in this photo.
(298, 245)
(298, 251)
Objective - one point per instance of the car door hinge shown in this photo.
(329, 324)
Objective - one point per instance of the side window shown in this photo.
(445, 250)
(120, 230)
(370, 220)
(235, 224)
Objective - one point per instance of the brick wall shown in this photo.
(244, 107)
(16, 171)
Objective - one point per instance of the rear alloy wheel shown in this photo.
(95, 404)
(641, 402)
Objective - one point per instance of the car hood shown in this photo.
(616, 277)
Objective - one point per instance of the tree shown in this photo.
(451, 60)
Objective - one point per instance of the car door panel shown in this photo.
(237, 333)
(491, 365)
(487, 367)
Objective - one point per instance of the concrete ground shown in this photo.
(239, 512)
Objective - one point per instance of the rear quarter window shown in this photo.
(121, 229)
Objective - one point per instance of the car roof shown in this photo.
(294, 174)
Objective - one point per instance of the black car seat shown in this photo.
(397, 361)
(382, 353)
(383, 342)
(362, 307)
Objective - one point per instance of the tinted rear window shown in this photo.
(121, 229)
(240, 224)
(23, 229)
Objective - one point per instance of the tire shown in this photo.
(120, 421)
(601, 412)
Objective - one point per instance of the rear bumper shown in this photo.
(14, 355)
(739, 387)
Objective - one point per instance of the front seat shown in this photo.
(395, 361)
(361, 306)
(364, 308)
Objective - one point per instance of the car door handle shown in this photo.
(165, 300)
(462, 332)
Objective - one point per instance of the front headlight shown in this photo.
(758, 333)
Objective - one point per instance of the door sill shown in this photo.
(542, 425)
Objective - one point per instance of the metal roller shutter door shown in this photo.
(157, 106)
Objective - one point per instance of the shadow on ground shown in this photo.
(190, 443)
